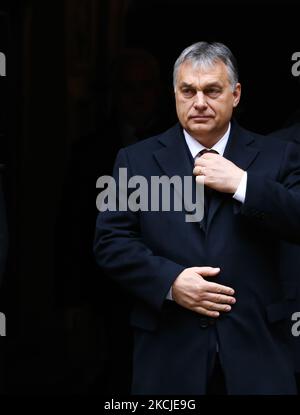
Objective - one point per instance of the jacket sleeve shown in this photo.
(275, 204)
(121, 252)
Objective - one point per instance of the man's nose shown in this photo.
(200, 101)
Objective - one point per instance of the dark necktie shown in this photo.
(208, 192)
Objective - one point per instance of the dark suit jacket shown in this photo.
(290, 255)
(291, 133)
(3, 229)
(146, 251)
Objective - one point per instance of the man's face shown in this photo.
(205, 100)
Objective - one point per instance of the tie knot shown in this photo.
(205, 150)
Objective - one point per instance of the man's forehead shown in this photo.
(189, 73)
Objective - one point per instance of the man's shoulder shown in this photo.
(264, 142)
(155, 142)
(290, 133)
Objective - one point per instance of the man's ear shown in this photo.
(237, 94)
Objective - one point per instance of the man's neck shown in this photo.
(196, 146)
(209, 141)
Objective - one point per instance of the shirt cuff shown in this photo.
(169, 295)
(240, 193)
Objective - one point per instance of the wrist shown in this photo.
(237, 181)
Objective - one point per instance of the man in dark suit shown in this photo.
(209, 312)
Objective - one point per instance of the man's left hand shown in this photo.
(218, 173)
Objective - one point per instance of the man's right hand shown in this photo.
(192, 291)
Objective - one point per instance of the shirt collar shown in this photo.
(195, 147)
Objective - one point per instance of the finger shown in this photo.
(198, 170)
(219, 289)
(206, 271)
(208, 305)
(208, 313)
(220, 298)
(200, 162)
(210, 156)
(200, 180)
(206, 160)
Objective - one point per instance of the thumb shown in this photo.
(207, 271)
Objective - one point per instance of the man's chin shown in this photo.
(200, 128)
(200, 123)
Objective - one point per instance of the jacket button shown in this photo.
(204, 322)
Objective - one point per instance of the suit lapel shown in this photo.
(241, 153)
(175, 159)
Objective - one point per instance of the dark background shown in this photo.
(57, 62)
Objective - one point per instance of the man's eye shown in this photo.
(213, 92)
(188, 92)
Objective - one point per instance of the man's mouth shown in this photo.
(200, 117)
